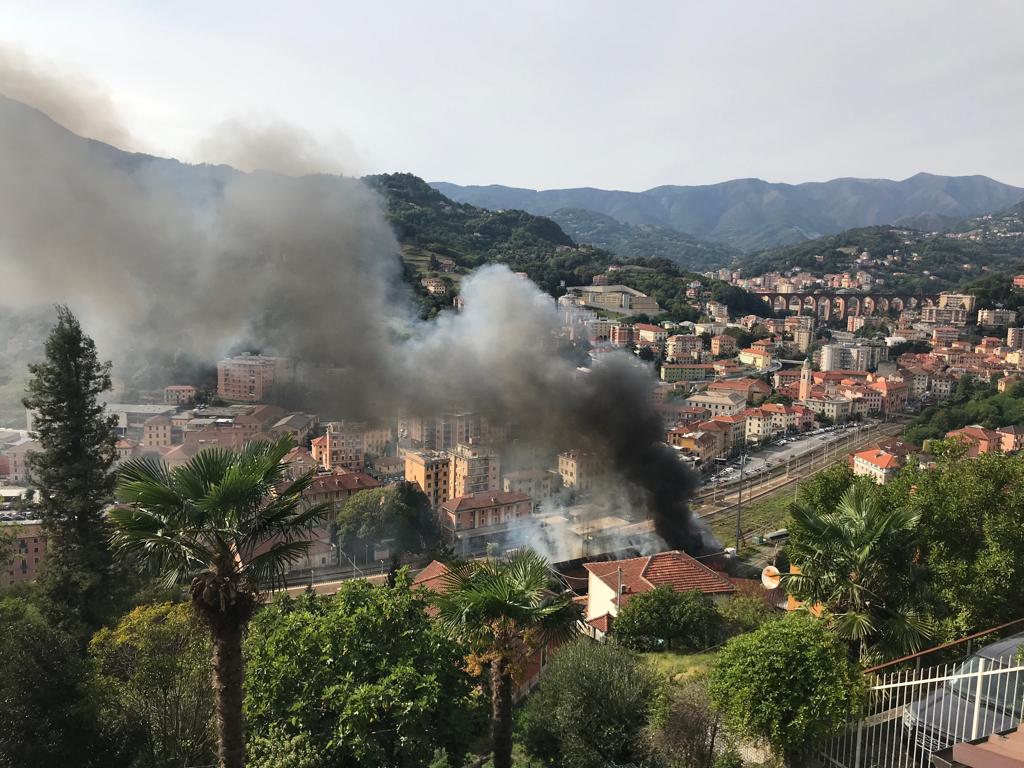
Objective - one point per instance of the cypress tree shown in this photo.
(73, 472)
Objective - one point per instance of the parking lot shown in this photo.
(783, 450)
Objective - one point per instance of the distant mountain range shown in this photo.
(753, 215)
(643, 240)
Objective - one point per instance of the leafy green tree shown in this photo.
(592, 708)
(363, 678)
(47, 719)
(857, 562)
(505, 610)
(664, 619)
(745, 613)
(684, 729)
(971, 538)
(790, 684)
(73, 474)
(232, 523)
(152, 674)
(399, 512)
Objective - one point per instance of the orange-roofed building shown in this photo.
(611, 584)
(978, 440)
(877, 464)
(754, 390)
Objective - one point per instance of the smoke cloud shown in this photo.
(74, 102)
(259, 145)
(165, 261)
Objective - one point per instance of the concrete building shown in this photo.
(538, 483)
(877, 464)
(475, 468)
(179, 394)
(617, 298)
(18, 471)
(27, 554)
(964, 301)
(431, 471)
(994, 317)
(649, 332)
(1015, 338)
(717, 403)
(944, 315)
(944, 335)
(802, 339)
(473, 520)
(723, 344)
(683, 347)
(673, 372)
(157, 432)
(249, 378)
(758, 359)
(578, 470)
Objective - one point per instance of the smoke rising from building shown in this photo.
(162, 259)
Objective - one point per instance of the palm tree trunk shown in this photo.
(501, 714)
(227, 695)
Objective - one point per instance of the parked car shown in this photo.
(946, 715)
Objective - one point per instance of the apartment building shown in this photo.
(718, 403)
(577, 469)
(431, 471)
(474, 468)
(27, 553)
(249, 378)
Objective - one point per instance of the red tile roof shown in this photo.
(346, 481)
(431, 577)
(483, 500)
(880, 459)
(676, 569)
(601, 623)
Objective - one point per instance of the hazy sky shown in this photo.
(562, 93)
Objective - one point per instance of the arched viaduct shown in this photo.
(839, 306)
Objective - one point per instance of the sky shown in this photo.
(556, 94)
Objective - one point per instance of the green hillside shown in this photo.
(908, 259)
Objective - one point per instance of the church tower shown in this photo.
(805, 380)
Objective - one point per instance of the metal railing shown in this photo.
(910, 714)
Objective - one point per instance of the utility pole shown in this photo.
(739, 502)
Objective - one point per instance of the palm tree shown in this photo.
(505, 610)
(857, 562)
(232, 523)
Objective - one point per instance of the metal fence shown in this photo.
(910, 714)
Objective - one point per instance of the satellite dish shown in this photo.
(770, 577)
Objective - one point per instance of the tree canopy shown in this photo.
(665, 619)
(788, 683)
(591, 709)
(362, 678)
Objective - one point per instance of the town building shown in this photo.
(717, 403)
(179, 394)
(977, 439)
(538, 483)
(471, 521)
(157, 432)
(27, 553)
(249, 378)
(877, 464)
(964, 301)
(475, 468)
(802, 339)
(723, 344)
(431, 471)
(673, 372)
(649, 332)
(1015, 338)
(993, 317)
(617, 298)
(758, 359)
(682, 347)
(754, 390)
(613, 583)
(945, 315)
(578, 470)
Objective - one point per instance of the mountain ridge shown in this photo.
(753, 215)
